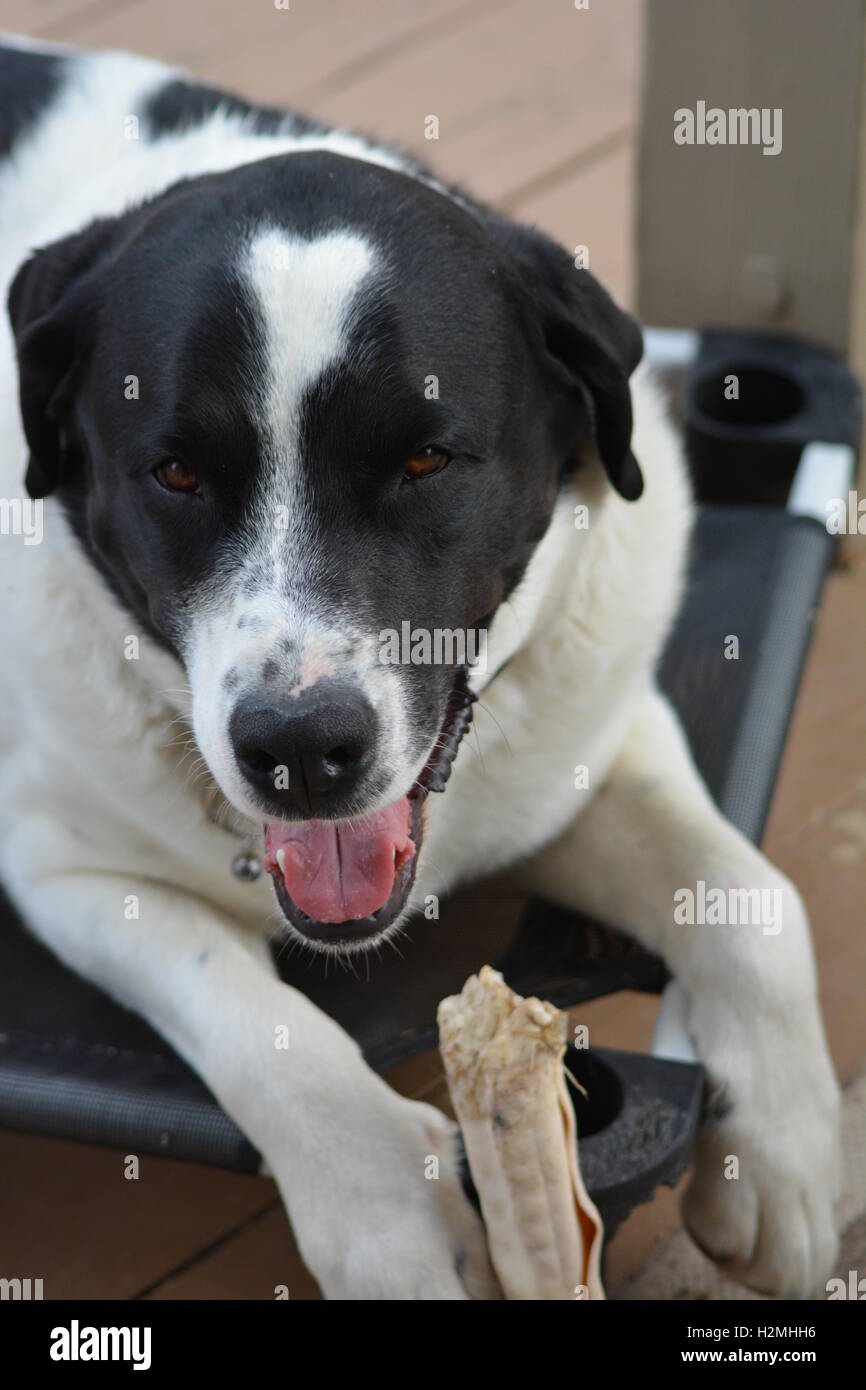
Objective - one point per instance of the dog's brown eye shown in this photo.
(424, 464)
(176, 477)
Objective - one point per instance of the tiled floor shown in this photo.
(537, 110)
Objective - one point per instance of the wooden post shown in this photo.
(729, 235)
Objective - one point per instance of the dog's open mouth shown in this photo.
(340, 883)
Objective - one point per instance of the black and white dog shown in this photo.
(284, 392)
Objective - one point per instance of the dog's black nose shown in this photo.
(308, 753)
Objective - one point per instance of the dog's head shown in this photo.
(306, 416)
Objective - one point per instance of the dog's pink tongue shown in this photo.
(340, 872)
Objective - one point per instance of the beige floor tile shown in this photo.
(274, 53)
(520, 94)
(70, 1217)
(253, 1264)
(827, 862)
(40, 18)
(825, 756)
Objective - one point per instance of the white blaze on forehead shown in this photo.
(271, 612)
(305, 290)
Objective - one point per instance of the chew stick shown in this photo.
(503, 1060)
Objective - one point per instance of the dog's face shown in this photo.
(297, 414)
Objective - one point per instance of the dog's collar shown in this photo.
(246, 863)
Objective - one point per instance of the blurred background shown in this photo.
(562, 115)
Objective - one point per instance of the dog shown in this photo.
(280, 391)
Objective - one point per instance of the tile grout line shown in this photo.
(68, 23)
(581, 162)
(205, 1251)
(366, 63)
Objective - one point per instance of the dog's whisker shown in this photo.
(492, 716)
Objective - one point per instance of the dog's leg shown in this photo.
(650, 831)
(374, 1216)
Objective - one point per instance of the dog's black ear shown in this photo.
(586, 343)
(51, 303)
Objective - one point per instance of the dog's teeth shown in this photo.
(281, 860)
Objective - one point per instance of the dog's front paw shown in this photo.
(767, 1163)
(396, 1223)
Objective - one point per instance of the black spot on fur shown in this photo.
(717, 1106)
(29, 83)
(179, 106)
